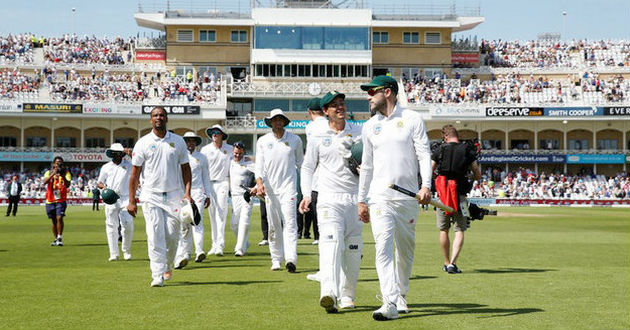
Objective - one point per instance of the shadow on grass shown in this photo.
(421, 310)
(512, 270)
(417, 277)
(211, 265)
(4, 250)
(186, 283)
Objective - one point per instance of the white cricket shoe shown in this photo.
(218, 252)
(329, 303)
(315, 242)
(181, 264)
(386, 312)
(275, 265)
(346, 303)
(313, 277)
(212, 251)
(239, 253)
(263, 242)
(401, 305)
(113, 258)
(127, 256)
(157, 282)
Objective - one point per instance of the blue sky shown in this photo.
(505, 19)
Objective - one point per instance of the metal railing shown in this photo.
(292, 88)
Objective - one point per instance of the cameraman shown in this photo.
(453, 160)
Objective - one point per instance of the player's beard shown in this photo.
(379, 107)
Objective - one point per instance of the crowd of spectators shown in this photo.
(16, 49)
(130, 87)
(516, 88)
(526, 184)
(82, 183)
(14, 84)
(554, 54)
(90, 50)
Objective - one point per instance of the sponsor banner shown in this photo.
(53, 107)
(10, 107)
(298, 124)
(513, 112)
(616, 111)
(456, 112)
(129, 109)
(99, 108)
(40, 201)
(595, 159)
(464, 57)
(561, 202)
(150, 55)
(174, 109)
(572, 111)
(525, 158)
(482, 201)
(89, 157)
(20, 156)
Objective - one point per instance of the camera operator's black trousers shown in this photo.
(13, 205)
(264, 226)
(311, 217)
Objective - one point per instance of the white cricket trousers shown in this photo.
(192, 233)
(218, 211)
(117, 214)
(340, 244)
(282, 219)
(163, 233)
(240, 221)
(394, 221)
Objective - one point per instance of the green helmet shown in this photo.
(109, 196)
(356, 157)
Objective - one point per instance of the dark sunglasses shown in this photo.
(373, 91)
(239, 145)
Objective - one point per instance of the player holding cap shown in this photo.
(219, 155)
(395, 149)
(115, 176)
(199, 191)
(278, 156)
(340, 241)
(162, 158)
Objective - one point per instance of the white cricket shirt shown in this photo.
(239, 174)
(200, 182)
(394, 149)
(161, 160)
(218, 160)
(277, 161)
(322, 156)
(116, 177)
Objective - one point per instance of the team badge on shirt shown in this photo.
(286, 144)
(377, 129)
(327, 141)
(400, 124)
(270, 146)
(224, 152)
(172, 144)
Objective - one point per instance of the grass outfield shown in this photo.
(529, 268)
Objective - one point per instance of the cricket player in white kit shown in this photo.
(340, 241)
(219, 155)
(395, 150)
(162, 158)
(199, 191)
(114, 175)
(278, 156)
(241, 172)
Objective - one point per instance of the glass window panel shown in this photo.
(415, 38)
(298, 105)
(346, 38)
(357, 106)
(433, 38)
(312, 37)
(265, 105)
(277, 37)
